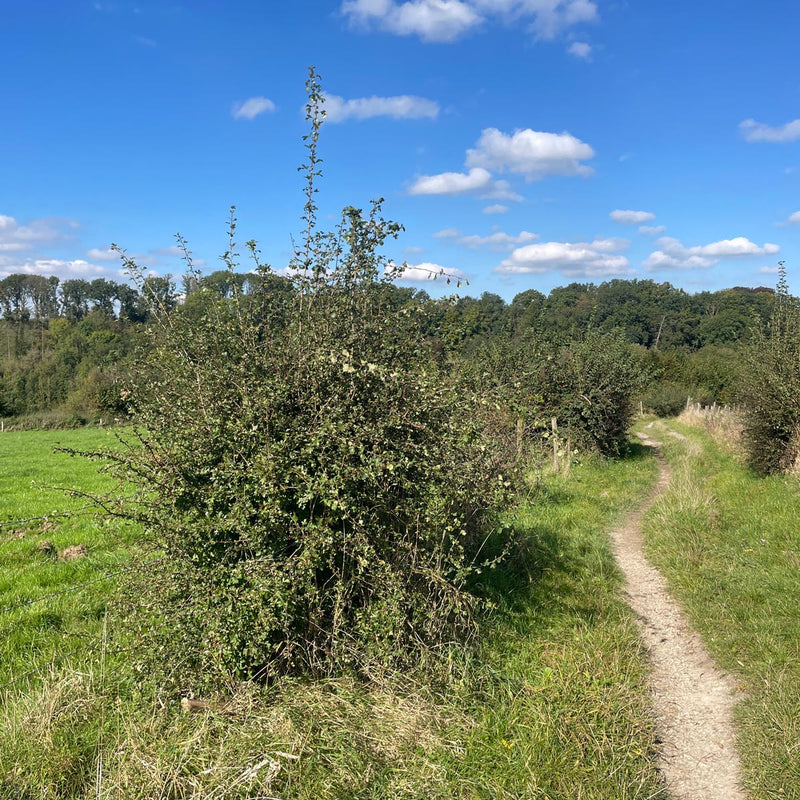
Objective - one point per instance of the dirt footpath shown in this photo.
(693, 699)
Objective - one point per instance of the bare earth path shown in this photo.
(692, 698)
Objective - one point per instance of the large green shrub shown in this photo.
(770, 387)
(590, 385)
(666, 399)
(317, 491)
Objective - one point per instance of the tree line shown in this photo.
(64, 343)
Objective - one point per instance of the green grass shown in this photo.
(728, 542)
(551, 705)
(39, 619)
(558, 706)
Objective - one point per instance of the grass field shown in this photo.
(551, 705)
(50, 607)
(728, 542)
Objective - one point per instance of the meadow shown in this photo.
(552, 703)
(50, 606)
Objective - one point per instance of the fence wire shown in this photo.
(51, 663)
(79, 586)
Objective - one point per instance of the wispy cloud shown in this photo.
(652, 230)
(252, 107)
(41, 232)
(106, 254)
(499, 240)
(62, 268)
(793, 219)
(753, 131)
(449, 20)
(581, 50)
(629, 217)
(405, 106)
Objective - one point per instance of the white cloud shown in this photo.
(477, 181)
(96, 254)
(660, 259)
(426, 271)
(497, 241)
(753, 131)
(252, 107)
(412, 251)
(172, 250)
(497, 208)
(62, 268)
(431, 20)
(794, 219)
(452, 183)
(553, 16)
(447, 233)
(652, 230)
(740, 246)
(672, 254)
(448, 20)
(405, 106)
(581, 50)
(769, 270)
(501, 190)
(628, 217)
(37, 233)
(533, 154)
(600, 258)
(547, 18)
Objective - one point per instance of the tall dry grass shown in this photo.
(723, 423)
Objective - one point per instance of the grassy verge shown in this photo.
(552, 704)
(728, 543)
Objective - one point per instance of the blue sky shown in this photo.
(522, 143)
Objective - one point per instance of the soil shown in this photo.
(74, 552)
(693, 700)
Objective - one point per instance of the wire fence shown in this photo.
(93, 643)
(45, 518)
(78, 586)
(35, 670)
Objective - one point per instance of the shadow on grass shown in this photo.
(557, 566)
(635, 451)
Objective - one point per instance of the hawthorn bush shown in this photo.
(316, 489)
